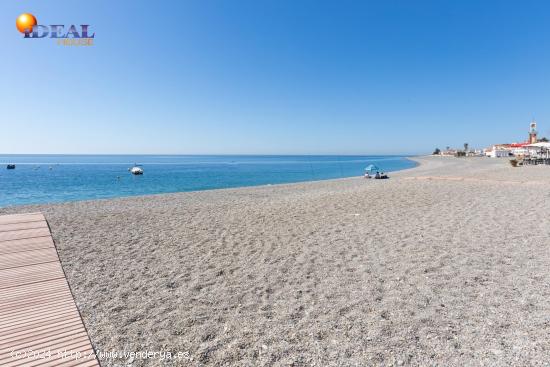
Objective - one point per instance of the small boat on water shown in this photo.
(136, 170)
(10, 166)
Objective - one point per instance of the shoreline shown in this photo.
(9, 209)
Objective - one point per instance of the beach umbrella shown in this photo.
(372, 168)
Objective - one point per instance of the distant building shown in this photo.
(532, 132)
(519, 149)
(515, 149)
(499, 151)
(448, 152)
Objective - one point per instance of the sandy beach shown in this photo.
(445, 264)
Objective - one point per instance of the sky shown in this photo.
(275, 76)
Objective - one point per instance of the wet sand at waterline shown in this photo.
(444, 264)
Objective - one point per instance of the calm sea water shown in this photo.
(58, 178)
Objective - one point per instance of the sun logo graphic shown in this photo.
(72, 35)
(25, 22)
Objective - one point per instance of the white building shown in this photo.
(498, 151)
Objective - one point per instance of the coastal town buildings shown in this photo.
(532, 146)
(450, 152)
(522, 149)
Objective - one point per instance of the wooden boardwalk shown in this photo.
(39, 321)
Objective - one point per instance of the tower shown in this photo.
(533, 132)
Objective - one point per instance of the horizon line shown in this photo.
(213, 154)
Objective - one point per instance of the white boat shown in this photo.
(136, 170)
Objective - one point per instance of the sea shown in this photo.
(39, 179)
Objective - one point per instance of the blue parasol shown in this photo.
(372, 168)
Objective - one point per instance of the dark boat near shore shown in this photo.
(10, 166)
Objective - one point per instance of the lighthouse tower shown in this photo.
(533, 132)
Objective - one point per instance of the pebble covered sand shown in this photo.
(445, 264)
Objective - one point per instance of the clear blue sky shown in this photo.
(275, 77)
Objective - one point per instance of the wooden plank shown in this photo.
(36, 313)
(31, 290)
(53, 342)
(39, 335)
(30, 274)
(27, 302)
(37, 309)
(87, 357)
(23, 225)
(26, 244)
(38, 329)
(21, 218)
(68, 360)
(10, 315)
(31, 322)
(31, 269)
(24, 234)
(33, 257)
